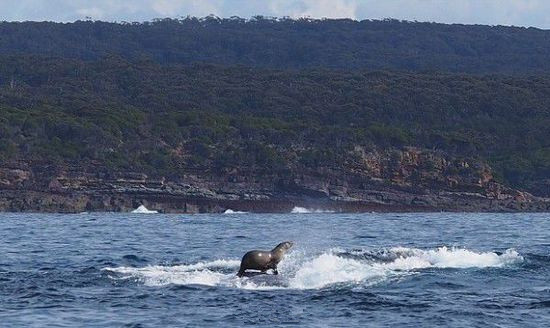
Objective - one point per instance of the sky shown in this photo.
(527, 13)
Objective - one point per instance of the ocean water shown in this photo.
(345, 270)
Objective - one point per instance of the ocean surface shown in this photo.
(345, 270)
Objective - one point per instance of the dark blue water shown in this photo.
(379, 270)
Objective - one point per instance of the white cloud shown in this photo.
(490, 12)
(172, 8)
(313, 8)
(92, 12)
(330, 8)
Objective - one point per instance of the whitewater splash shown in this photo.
(144, 210)
(299, 271)
(230, 211)
(202, 273)
(303, 210)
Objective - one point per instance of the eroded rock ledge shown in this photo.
(404, 180)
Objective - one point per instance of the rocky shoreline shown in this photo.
(168, 197)
(75, 202)
(396, 181)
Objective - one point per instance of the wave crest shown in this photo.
(303, 271)
(144, 210)
(230, 211)
(303, 210)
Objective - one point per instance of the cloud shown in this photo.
(490, 12)
(330, 8)
(91, 12)
(172, 8)
(314, 8)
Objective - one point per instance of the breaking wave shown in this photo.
(230, 211)
(303, 210)
(202, 273)
(144, 210)
(331, 268)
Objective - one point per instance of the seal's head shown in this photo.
(284, 246)
(280, 250)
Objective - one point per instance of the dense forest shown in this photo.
(291, 44)
(166, 119)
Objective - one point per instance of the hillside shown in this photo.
(291, 44)
(265, 114)
(70, 125)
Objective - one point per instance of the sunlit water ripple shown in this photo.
(346, 270)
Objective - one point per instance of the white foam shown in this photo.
(328, 269)
(202, 273)
(300, 271)
(303, 210)
(143, 210)
(230, 211)
(444, 257)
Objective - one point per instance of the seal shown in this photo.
(264, 260)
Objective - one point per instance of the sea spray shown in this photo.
(143, 210)
(201, 273)
(230, 211)
(300, 270)
(304, 210)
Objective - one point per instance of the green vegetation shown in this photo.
(286, 43)
(271, 96)
(170, 119)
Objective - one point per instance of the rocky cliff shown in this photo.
(407, 179)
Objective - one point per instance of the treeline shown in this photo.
(291, 44)
(169, 119)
